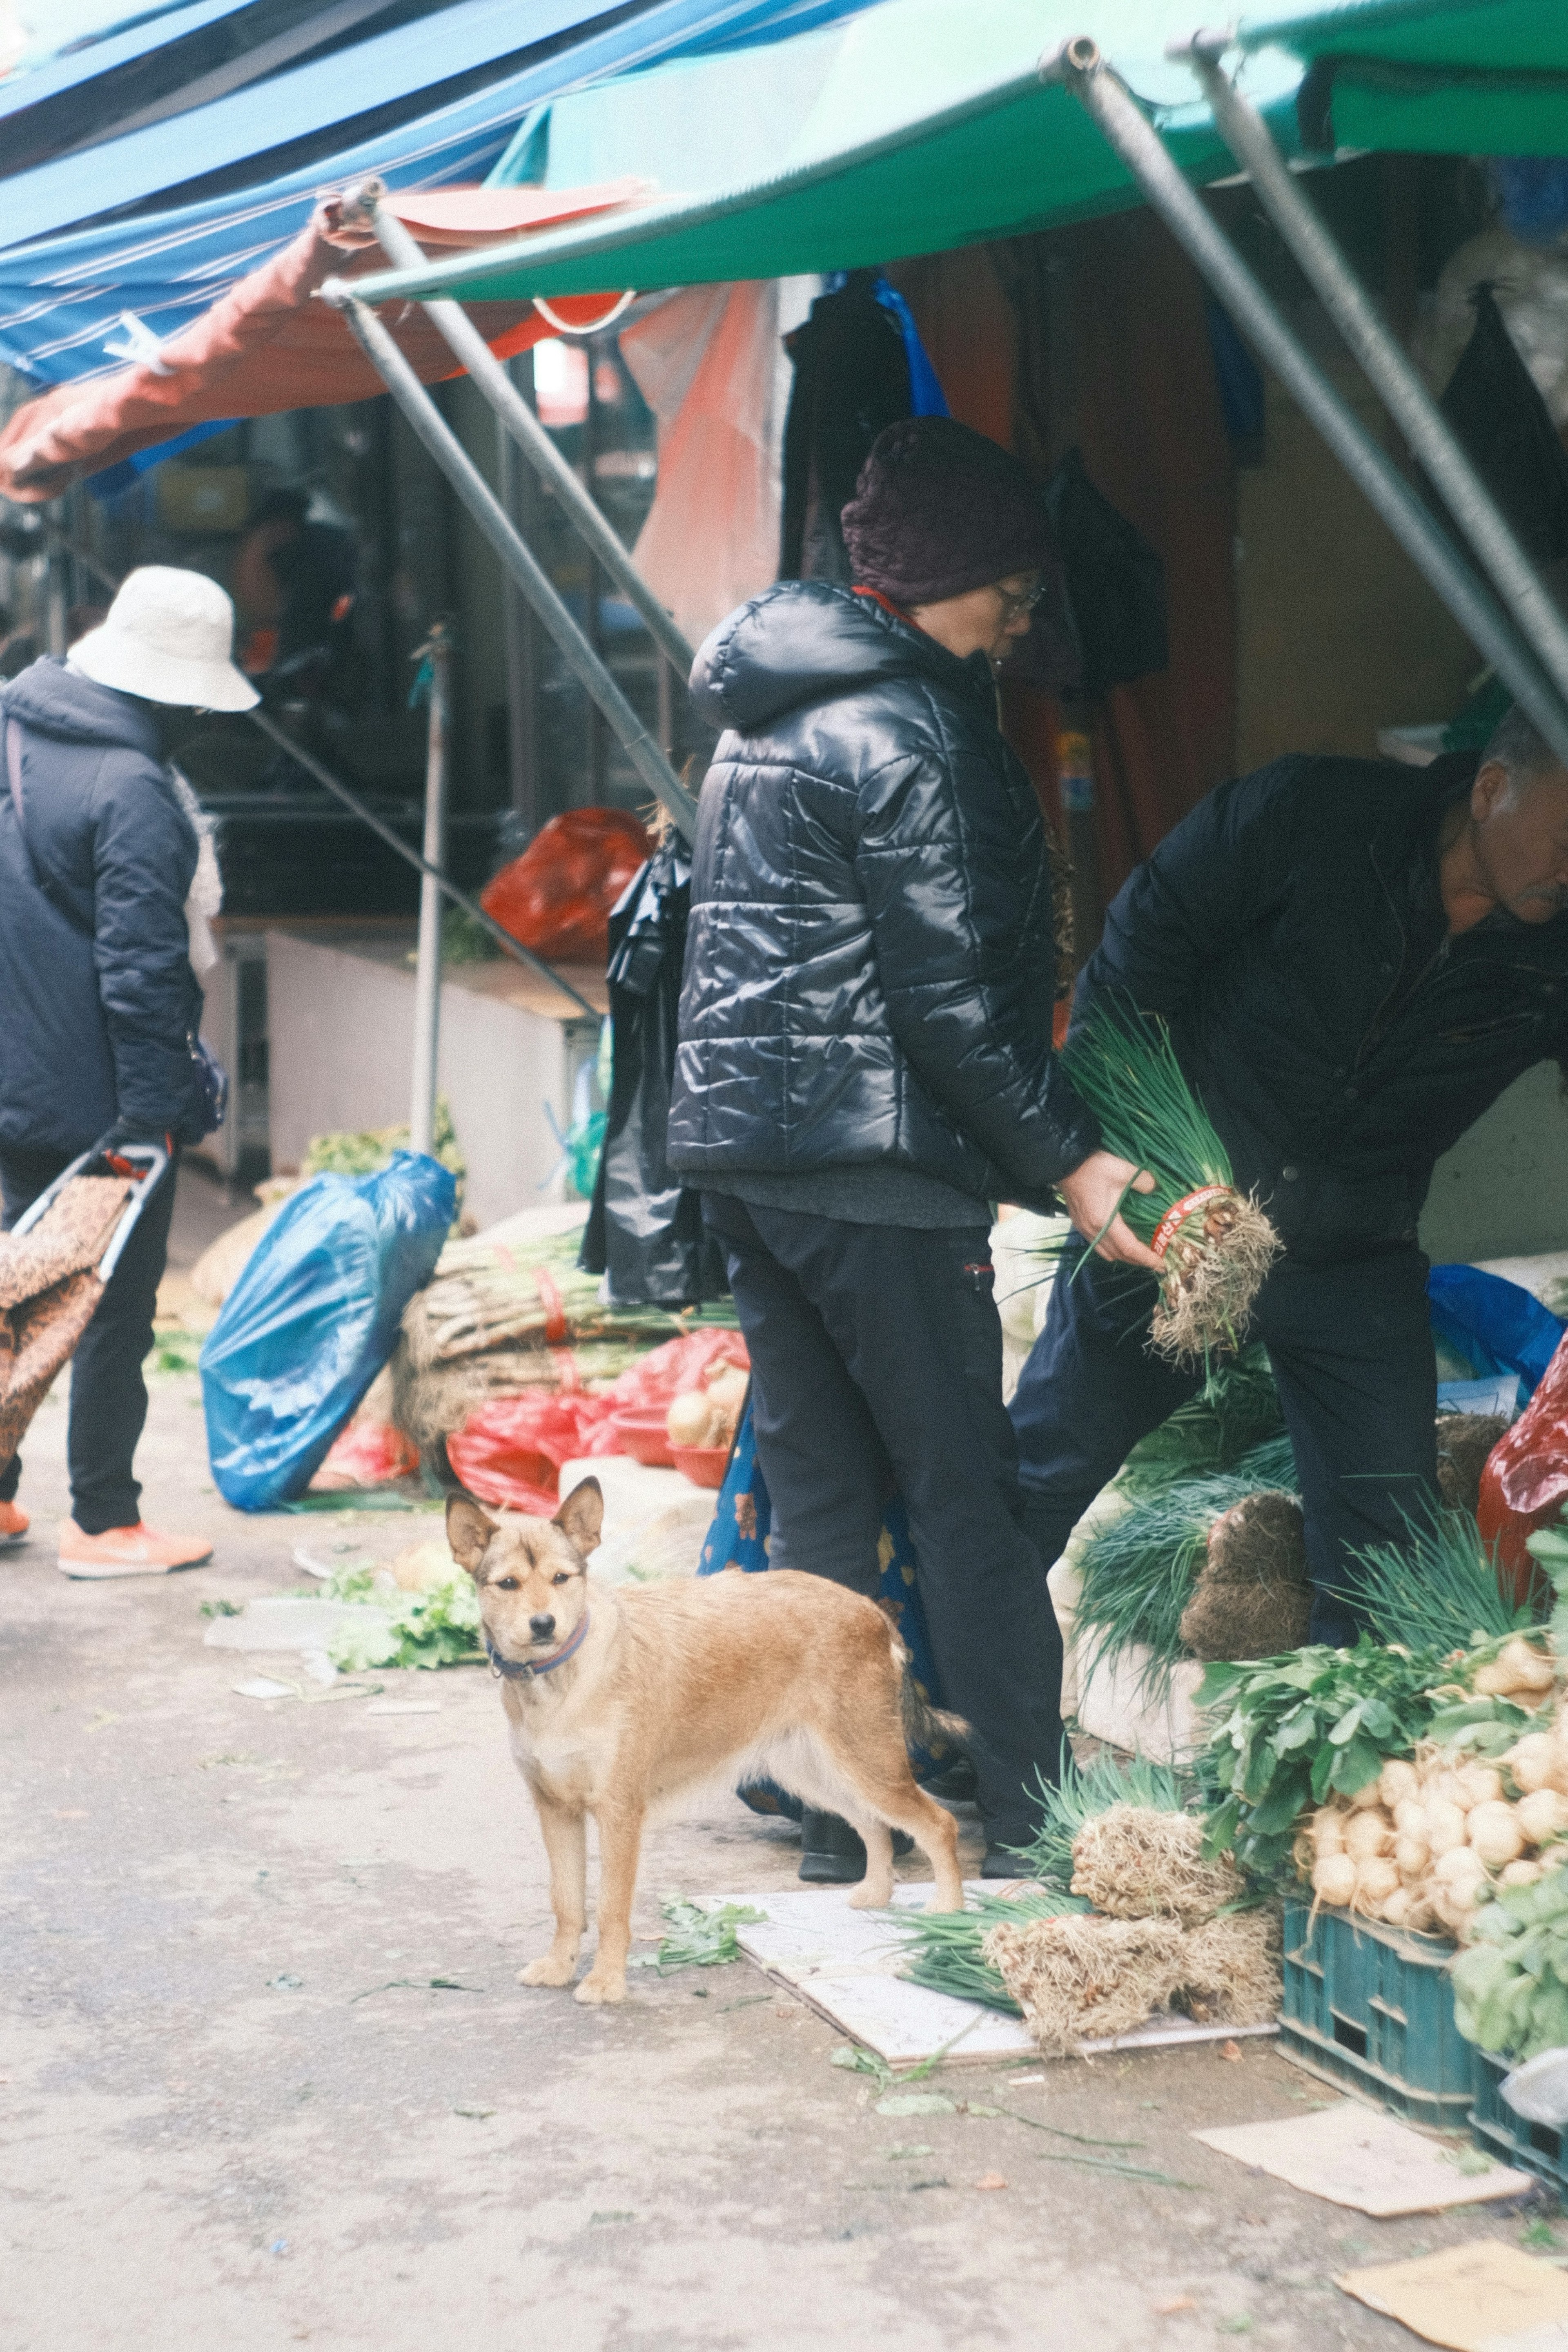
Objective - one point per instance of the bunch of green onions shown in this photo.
(1136, 1571)
(1437, 1589)
(1083, 1792)
(1217, 1245)
(945, 1945)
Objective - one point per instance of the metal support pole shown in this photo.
(1384, 364)
(1079, 66)
(643, 754)
(490, 376)
(427, 972)
(523, 777)
(56, 600)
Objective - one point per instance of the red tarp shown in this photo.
(269, 346)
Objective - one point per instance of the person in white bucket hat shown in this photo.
(168, 638)
(99, 851)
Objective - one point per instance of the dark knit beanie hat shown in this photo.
(939, 510)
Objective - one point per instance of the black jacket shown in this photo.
(1292, 931)
(870, 968)
(99, 1000)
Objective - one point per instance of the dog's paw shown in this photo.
(595, 1989)
(546, 1971)
(871, 1894)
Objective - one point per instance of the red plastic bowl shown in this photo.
(702, 1464)
(644, 1437)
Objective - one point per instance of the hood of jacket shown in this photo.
(55, 700)
(806, 641)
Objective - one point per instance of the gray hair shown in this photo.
(1516, 744)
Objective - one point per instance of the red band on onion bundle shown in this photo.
(1176, 1215)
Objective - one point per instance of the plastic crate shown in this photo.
(1371, 2007)
(1533, 2147)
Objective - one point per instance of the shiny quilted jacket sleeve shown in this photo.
(950, 853)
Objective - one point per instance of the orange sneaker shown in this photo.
(128, 1551)
(13, 1524)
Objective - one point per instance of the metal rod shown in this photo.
(644, 755)
(490, 377)
(1386, 366)
(367, 815)
(1079, 68)
(522, 664)
(427, 970)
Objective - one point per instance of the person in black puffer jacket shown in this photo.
(97, 853)
(864, 1064)
(1355, 959)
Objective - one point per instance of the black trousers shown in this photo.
(877, 1358)
(1350, 1347)
(109, 1395)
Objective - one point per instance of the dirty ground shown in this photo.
(267, 2077)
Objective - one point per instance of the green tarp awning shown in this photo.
(922, 125)
(1437, 77)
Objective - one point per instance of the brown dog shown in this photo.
(620, 1700)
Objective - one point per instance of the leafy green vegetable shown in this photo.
(1550, 1547)
(1437, 1589)
(1288, 1731)
(1083, 1792)
(1511, 1982)
(437, 1627)
(697, 1938)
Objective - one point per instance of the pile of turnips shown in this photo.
(1422, 1844)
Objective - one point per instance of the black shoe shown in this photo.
(1001, 1861)
(832, 1853)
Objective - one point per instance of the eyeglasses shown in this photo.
(1016, 601)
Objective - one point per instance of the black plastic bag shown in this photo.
(645, 1228)
(1116, 582)
(1495, 409)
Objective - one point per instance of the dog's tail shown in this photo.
(925, 1726)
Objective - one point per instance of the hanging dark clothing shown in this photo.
(852, 378)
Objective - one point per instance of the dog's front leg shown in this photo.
(566, 1843)
(619, 1843)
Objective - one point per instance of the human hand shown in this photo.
(1091, 1193)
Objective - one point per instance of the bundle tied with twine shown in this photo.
(500, 1317)
(1159, 1938)
(1216, 1242)
(1137, 1863)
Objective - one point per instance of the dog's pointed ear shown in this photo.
(468, 1530)
(582, 1516)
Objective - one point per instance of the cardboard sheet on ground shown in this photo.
(845, 1963)
(1483, 2297)
(1352, 2155)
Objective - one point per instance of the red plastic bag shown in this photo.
(510, 1450)
(366, 1453)
(555, 898)
(658, 1378)
(1525, 1481)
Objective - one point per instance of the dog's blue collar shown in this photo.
(523, 1670)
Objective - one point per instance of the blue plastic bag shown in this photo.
(1497, 1326)
(313, 1318)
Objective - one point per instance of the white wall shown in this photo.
(340, 1048)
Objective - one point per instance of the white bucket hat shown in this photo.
(169, 637)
